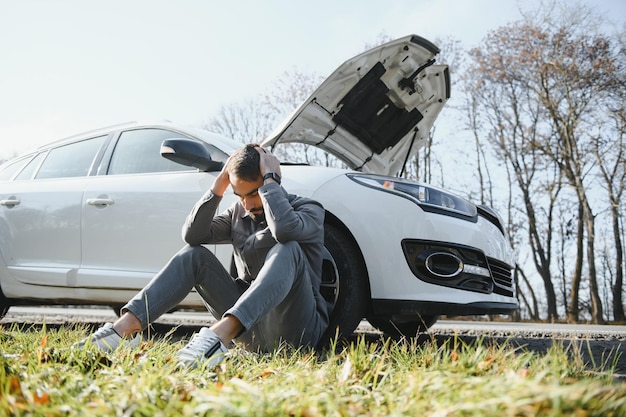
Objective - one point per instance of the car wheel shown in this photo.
(404, 328)
(352, 296)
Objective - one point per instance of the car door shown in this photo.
(133, 215)
(41, 214)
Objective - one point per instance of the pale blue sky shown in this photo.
(69, 66)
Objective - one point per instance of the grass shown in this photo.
(40, 376)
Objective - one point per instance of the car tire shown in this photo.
(405, 328)
(354, 294)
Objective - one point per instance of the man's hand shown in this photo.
(222, 181)
(268, 162)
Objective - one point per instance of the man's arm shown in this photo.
(201, 225)
(301, 220)
(304, 223)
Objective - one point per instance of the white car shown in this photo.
(90, 219)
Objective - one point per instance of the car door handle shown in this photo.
(100, 201)
(11, 202)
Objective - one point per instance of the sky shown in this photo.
(71, 66)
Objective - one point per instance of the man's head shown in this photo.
(244, 163)
(245, 178)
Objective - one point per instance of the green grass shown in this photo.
(40, 376)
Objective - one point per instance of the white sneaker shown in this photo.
(205, 347)
(106, 339)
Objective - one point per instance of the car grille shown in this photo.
(502, 277)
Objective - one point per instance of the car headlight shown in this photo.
(429, 198)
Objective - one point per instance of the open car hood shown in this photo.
(375, 111)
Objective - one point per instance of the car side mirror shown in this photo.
(189, 152)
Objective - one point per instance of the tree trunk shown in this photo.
(597, 313)
(618, 303)
(574, 314)
(541, 256)
(532, 305)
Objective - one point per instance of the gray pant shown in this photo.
(278, 306)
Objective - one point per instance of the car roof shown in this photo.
(225, 144)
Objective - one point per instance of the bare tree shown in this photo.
(562, 68)
(527, 294)
(610, 153)
(571, 69)
(421, 165)
(289, 90)
(246, 122)
(472, 110)
(512, 118)
(254, 119)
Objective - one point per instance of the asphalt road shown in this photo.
(599, 345)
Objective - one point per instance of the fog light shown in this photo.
(443, 264)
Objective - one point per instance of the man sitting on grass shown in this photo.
(278, 242)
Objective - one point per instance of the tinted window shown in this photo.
(73, 160)
(138, 151)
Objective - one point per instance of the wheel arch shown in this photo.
(333, 220)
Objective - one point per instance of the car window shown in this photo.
(28, 172)
(138, 152)
(8, 170)
(73, 160)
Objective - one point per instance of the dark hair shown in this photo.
(244, 163)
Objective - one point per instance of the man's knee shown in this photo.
(290, 246)
(195, 254)
(288, 253)
(291, 249)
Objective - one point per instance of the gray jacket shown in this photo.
(287, 218)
